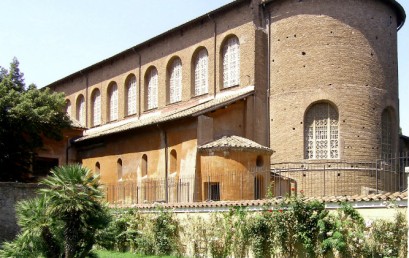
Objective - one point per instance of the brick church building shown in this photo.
(286, 95)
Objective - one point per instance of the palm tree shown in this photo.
(74, 197)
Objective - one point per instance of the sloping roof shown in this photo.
(234, 143)
(76, 124)
(192, 108)
(385, 199)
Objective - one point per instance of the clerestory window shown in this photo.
(231, 62)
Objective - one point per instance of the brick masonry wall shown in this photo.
(10, 194)
(342, 52)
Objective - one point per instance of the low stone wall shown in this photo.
(10, 194)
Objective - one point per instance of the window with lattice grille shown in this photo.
(131, 96)
(81, 110)
(201, 73)
(152, 98)
(386, 134)
(175, 82)
(113, 103)
(68, 107)
(231, 62)
(321, 132)
(96, 108)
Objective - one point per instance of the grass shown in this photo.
(112, 254)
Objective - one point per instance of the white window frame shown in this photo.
(81, 110)
(322, 132)
(201, 73)
(96, 108)
(152, 89)
(113, 102)
(131, 96)
(175, 81)
(231, 62)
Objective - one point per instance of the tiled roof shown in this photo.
(191, 108)
(76, 124)
(234, 143)
(385, 198)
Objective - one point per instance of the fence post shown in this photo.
(376, 177)
(324, 180)
(407, 208)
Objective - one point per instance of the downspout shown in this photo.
(166, 162)
(268, 73)
(139, 83)
(214, 55)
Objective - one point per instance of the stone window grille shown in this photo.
(96, 108)
(152, 99)
(386, 134)
(113, 103)
(175, 82)
(68, 107)
(231, 63)
(81, 110)
(201, 73)
(321, 132)
(131, 96)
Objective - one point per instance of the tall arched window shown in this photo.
(173, 161)
(80, 114)
(113, 102)
(144, 165)
(201, 65)
(152, 89)
(97, 168)
(386, 134)
(231, 62)
(131, 95)
(119, 169)
(68, 107)
(175, 81)
(96, 107)
(321, 132)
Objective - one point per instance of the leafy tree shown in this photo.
(27, 115)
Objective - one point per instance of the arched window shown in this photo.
(144, 165)
(231, 62)
(68, 107)
(201, 65)
(175, 81)
(173, 166)
(321, 132)
(97, 168)
(259, 161)
(387, 134)
(119, 169)
(152, 89)
(81, 110)
(131, 95)
(96, 107)
(113, 102)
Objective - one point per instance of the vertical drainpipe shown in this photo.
(268, 73)
(139, 83)
(165, 136)
(214, 54)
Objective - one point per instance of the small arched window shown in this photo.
(321, 132)
(173, 161)
(113, 102)
(131, 95)
(96, 107)
(231, 62)
(97, 168)
(387, 125)
(201, 64)
(259, 161)
(152, 89)
(175, 81)
(144, 165)
(68, 107)
(80, 106)
(119, 169)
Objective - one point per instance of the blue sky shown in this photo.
(53, 39)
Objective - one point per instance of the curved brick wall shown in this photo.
(344, 52)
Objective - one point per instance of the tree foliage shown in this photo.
(27, 115)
